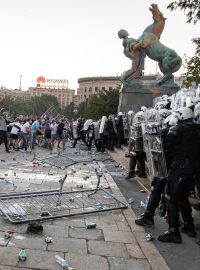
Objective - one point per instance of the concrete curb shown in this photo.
(151, 253)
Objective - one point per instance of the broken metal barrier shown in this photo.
(44, 205)
(66, 160)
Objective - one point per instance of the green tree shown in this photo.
(69, 110)
(192, 65)
(105, 103)
(41, 104)
(190, 7)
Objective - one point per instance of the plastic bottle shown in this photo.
(22, 255)
(62, 262)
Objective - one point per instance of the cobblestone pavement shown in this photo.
(115, 244)
(178, 257)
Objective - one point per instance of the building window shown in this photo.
(103, 88)
(85, 89)
(90, 89)
(110, 88)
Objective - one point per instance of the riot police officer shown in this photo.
(137, 155)
(183, 142)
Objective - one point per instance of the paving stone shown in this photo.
(74, 222)
(151, 253)
(42, 260)
(128, 264)
(86, 262)
(55, 231)
(103, 221)
(3, 267)
(107, 249)
(119, 236)
(123, 226)
(9, 256)
(93, 234)
(6, 225)
(31, 242)
(68, 245)
(135, 251)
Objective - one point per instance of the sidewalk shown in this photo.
(116, 243)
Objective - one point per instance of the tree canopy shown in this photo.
(192, 64)
(190, 7)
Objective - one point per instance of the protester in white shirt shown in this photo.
(53, 127)
(14, 134)
(25, 135)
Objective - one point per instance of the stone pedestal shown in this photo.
(141, 93)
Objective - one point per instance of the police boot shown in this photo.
(130, 175)
(145, 219)
(173, 236)
(188, 228)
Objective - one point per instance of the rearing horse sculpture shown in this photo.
(149, 43)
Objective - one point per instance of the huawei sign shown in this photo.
(41, 79)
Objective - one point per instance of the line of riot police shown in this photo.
(170, 140)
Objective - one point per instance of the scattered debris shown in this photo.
(99, 206)
(8, 234)
(62, 262)
(130, 200)
(143, 204)
(142, 190)
(149, 237)
(79, 185)
(48, 239)
(22, 255)
(34, 227)
(91, 225)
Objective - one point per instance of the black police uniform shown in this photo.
(183, 142)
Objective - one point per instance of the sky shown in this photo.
(71, 39)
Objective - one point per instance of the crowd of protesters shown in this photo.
(23, 133)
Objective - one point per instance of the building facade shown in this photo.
(89, 86)
(64, 96)
(14, 94)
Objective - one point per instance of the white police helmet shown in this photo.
(167, 120)
(143, 108)
(130, 112)
(163, 113)
(184, 113)
(139, 117)
(120, 114)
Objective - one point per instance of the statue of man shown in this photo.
(137, 56)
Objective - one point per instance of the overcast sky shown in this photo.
(70, 39)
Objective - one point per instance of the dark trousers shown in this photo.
(158, 188)
(179, 184)
(3, 138)
(139, 159)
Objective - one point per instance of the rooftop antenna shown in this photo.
(20, 82)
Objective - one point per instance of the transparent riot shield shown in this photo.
(137, 136)
(153, 146)
(125, 126)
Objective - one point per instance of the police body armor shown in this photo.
(153, 146)
(114, 123)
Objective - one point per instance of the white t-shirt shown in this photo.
(26, 127)
(53, 128)
(16, 128)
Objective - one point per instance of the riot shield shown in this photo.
(103, 121)
(125, 126)
(153, 146)
(137, 136)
